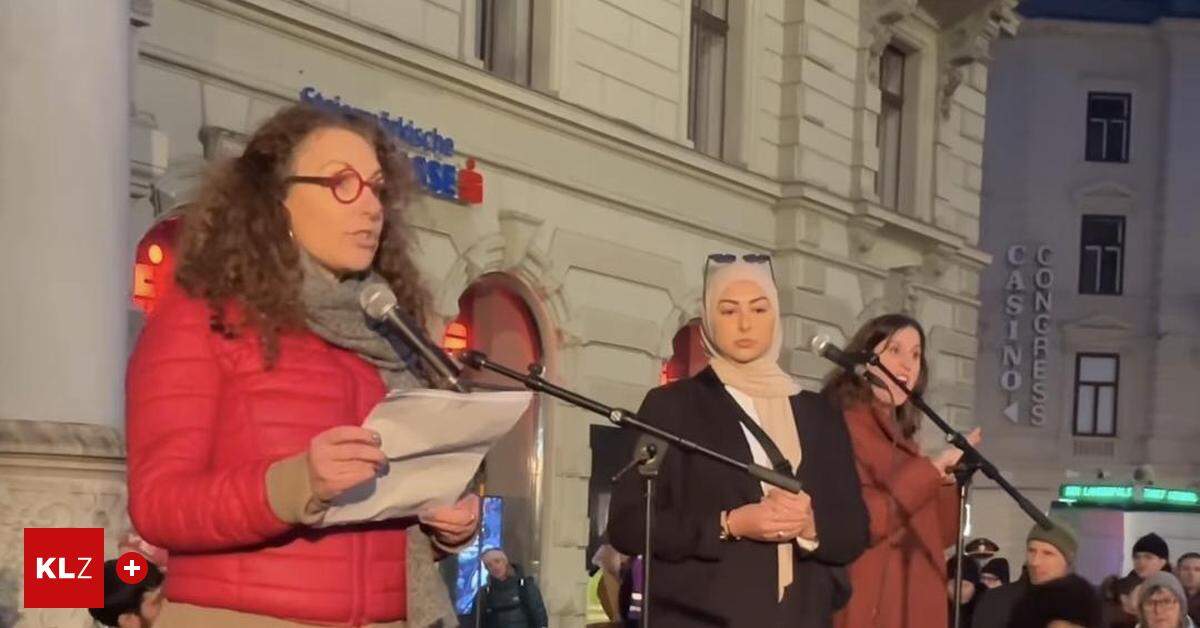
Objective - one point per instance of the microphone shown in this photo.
(379, 304)
(854, 363)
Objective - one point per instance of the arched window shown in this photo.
(495, 318)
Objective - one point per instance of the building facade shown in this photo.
(618, 141)
(1089, 328)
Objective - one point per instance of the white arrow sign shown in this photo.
(1013, 411)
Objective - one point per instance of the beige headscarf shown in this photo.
(761, 379)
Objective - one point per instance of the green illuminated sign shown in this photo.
(1128, 495)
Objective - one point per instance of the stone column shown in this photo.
(65, 260)
(64, 179)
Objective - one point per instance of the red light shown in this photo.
(455, 338)
(154, 268)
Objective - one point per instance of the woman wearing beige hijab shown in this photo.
(729, 551)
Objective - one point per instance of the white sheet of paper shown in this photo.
(434, 441)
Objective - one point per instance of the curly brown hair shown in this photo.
(236, 248)
(846, 389)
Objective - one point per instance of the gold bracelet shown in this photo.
(726, 534)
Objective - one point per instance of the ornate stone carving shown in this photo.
(864, 233)
(220, 142)
(968, 42)
(937, 261)
(61, 439)
(878, 17)
(55, 475)
(148, 153)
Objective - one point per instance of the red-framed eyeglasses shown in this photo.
(346, 185)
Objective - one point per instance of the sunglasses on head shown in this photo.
(729, 258)
(749, 258)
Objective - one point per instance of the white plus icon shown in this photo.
(132, 568)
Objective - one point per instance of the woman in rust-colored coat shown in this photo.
(899, 582)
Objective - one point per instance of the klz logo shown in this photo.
(64, 567)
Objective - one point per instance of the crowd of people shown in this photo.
(1048, 592)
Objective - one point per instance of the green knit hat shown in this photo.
(1060, 535)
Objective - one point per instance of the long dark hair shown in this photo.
(846, 390)
(236, 246)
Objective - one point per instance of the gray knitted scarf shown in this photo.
(334, 314)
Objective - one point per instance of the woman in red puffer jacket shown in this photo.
(248, 387)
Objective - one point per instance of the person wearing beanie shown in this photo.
(1070, 599)
(129, 605)
(1150, 555)
(1162, 603)
(1049, 556)
(1050, 553)
(994, 574)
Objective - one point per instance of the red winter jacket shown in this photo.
(204, 421)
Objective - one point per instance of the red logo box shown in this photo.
(64, 567)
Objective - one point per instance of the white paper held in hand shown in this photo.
(434, 441)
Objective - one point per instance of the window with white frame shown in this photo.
(888, 136)
(1096, 382)
(1108, 115)
(706, 99)
(504, 38)
(1101, 255)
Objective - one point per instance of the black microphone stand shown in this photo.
(964, 472)
(651, 449)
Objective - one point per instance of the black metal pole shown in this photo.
(963, 477)
(648, 478)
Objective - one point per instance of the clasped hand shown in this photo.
(779, 516)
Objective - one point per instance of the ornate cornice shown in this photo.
(878, 19)
(968, 42)
(53, 438)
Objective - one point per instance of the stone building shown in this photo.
(619, 142)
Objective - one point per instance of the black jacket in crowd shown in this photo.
(512, 603)
(698, 580)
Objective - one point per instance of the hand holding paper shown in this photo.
(434, 441)
(342, 457)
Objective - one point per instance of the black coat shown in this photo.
(512, 603)
(996, 608)
(698, 580)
